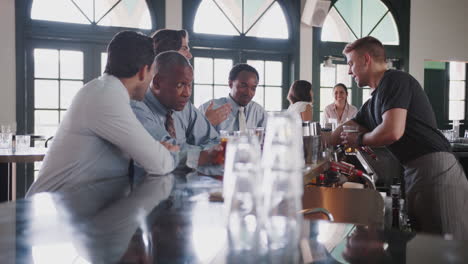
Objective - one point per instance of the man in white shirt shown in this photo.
(242, 112)
(100, 133)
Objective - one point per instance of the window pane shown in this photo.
(68, 90)
(71, 64)
(87, 6)
(273, 73)
(259, 95)
(342, 75)
(366, 94)
(387, 31)
(201, 94)
(327, 76)
(372, 12)
(210, 20)
(326, 97)
(203, 70)
(351, 12)
(46, 63)
(456, 110)
(233, 10)
(350, 96)
(273, 98)
(457, 71)
(221, 91)
(271, 25)
(259, 66)
(221, 70)
(45, 94)
(456, 90)
(46, 122)
(128, 13)
(253, 10)
(335, 29)
(62, 115)
(60, 11)
(103, 61)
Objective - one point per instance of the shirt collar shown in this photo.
(383, 77)
(153, 103)
(235, 105)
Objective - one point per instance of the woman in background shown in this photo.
(340, 110)
(300, 98)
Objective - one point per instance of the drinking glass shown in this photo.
(350, 129)
(282, 161)
(242, 177)
(23, 142)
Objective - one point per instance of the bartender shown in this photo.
(400, 117)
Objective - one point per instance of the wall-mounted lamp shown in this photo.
(328, 62)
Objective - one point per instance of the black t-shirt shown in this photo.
(398, 89)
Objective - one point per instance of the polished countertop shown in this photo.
(170, 219)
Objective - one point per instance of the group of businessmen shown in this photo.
(139, 113)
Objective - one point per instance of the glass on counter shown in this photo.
(350, 129)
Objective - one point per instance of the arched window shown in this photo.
(350, 20)
(263, 19)
(346, 22)
(116, 13)
(226, 32)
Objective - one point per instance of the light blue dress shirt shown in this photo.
(194, 132)
(254, 113)
(95, 142)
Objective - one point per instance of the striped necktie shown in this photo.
(169, 124)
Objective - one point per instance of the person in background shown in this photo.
(100, 134)
(169, 39)
(301, 99)
(340, 110)
(244, 113)
(168, 115)
(400, 117)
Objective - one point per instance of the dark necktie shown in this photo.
(170, 124)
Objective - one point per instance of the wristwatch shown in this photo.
(360, 137)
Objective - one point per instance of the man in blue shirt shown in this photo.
(167, 114)
(243, 113)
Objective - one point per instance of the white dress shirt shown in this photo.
(97, 138)
(255, 115)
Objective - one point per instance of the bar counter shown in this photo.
(170, 219)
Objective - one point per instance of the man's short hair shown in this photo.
(127, 53)
(166, 61)
(367, 44)
(241, 67)
(168, 39)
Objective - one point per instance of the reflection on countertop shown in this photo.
(170, 219)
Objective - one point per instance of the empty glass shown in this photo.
(6, 136)
(242, 177)
(23, 142)
(282, 161)
(6, 141)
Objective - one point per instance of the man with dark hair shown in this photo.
(243, 81)
(169, 39)
(399, 116)
(100, 133)
(168, 115)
